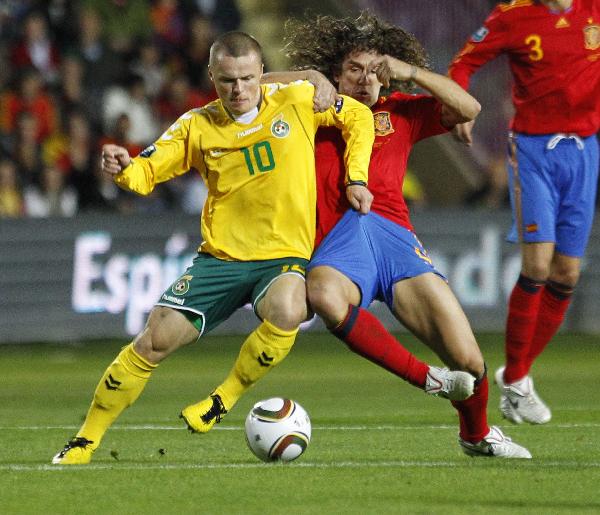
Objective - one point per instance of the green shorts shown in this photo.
(211, 289)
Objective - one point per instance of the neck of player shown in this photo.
(557, 5)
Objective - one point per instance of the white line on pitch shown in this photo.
(158, 427)
(347, 464)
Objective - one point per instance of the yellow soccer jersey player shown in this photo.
(246, 165)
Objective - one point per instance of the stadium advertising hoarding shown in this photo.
(97, 276)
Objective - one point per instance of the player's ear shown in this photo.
(210, 74)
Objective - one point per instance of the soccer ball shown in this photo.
(278, 429)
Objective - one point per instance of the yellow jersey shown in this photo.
(260, 176)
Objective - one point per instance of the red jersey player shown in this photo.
(377, 256)
(553, 48)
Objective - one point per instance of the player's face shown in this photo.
(237, 81)
(358, 77)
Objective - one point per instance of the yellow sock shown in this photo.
(264, 348)
(118, 388)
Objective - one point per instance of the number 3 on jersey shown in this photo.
(535, 50)
(261, 155)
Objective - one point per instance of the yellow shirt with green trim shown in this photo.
(260, 176)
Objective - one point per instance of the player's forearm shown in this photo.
(136, 178)
(463, 105)
(359, 134)
(285, 76)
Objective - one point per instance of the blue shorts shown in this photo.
(553, 185)
(373, 252)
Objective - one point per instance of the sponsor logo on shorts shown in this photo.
(422, 253)
(299, 269)
(531, 227)
(174, 300)
(182, 286)
(280, 129)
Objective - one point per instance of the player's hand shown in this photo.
(360, 198)
(463, 132)
(114, 159)
(389, 68)
(325, 92)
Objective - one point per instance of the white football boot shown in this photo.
(495, 445)
(519, 402)
(450, 384)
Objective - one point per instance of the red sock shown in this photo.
(523, 307)
(555, 300)
(366, 336)
(472, 413)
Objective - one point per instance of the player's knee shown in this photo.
(470, 361)
(287, 314)
(324, 298)
(567, 276)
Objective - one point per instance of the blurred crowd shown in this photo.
(75, 75)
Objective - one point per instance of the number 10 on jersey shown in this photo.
(259, 156)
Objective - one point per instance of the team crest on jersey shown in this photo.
(182, 286)
(591, 34)
(383, 123)
(148, 151)
(480, 34)
(280, 129)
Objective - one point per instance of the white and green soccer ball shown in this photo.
(278, 429)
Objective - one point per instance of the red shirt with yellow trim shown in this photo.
(554, 58)
(400, 121)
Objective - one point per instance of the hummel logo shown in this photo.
(264, 359)
(111, 383)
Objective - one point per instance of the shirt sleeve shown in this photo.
(355, 120)
(483, 46)
(170, 156)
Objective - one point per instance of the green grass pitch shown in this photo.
(379, 445)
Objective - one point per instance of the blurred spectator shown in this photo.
(149, 66)
(101, 66)
(493, 193)
(168, 24)
(178, 98)
(71, 92)
(11, 199)
(30, 97)
(50, 195)
(125, 22)
(223, 15)
(195, 58)
(130, 99)
(36, 48)
(23, 148)
(413, 191)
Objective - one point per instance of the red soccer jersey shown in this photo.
(554, 59)
(400, 121)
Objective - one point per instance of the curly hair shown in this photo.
(323, 42)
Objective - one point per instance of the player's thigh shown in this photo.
(426, 305)
(534, 195)
(166, 331)
(330, 292)
(347, 249)
(279, 292)
(210, 290)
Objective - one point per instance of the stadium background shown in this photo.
(87, 260)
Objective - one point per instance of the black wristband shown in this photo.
(356, 183)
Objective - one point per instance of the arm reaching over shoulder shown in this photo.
(325, 92)
(458, 106)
